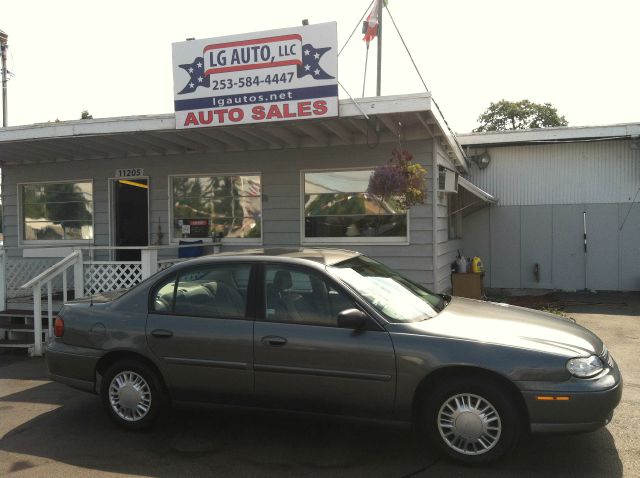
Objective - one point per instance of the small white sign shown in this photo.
(257, 77)
(129, 173)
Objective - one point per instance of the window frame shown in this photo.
(156, 287)
(362, 241)
(249, 310)
(260, 299)
(46, 242)
(454, 220)
(206, 240)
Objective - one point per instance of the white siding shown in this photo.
(574, 173)
(447, 248)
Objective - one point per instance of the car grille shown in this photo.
(606, 356)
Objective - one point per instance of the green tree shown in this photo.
(86, 115)
(508, 115)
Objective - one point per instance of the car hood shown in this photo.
(512, 326)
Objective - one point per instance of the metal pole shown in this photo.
(379, 77)
(3, 48)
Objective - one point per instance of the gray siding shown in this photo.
(512, 239)
(280, 186)
(447, 248)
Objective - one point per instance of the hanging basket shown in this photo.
(401, 179)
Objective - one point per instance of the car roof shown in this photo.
(324, 256)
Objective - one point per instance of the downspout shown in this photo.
(434, 215)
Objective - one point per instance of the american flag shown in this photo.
(311, 63)
(196, 76)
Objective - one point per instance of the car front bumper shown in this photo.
(589, 406)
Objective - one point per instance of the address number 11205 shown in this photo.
(129, 173)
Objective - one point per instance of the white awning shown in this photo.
(476, 191)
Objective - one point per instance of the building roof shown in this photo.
(156, 135)
(551, 135)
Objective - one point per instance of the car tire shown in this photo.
(472, 420)
(132, 394)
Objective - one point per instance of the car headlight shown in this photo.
(585, 367)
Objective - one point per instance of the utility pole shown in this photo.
(379, 77)
(3, 65)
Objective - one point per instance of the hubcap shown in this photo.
(130, 396)
(469, 424)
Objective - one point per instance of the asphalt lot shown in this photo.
(47, 429)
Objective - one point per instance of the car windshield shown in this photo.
(396, 297)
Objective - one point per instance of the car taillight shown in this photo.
(58, 327)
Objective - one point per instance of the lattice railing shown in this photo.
(106, 276)
(19, 270)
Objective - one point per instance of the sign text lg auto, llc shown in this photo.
(257, 77)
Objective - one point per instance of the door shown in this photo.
(131, 216)
(569, 249)
(198, 326)
(304, 360)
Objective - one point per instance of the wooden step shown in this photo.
(17, 313)
(15, 344)
(14, 323)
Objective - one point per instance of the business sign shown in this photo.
(257, 77)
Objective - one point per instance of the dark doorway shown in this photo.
(131, 216)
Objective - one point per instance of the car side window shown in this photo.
(215, 291)
(298, 296)
(163, 295)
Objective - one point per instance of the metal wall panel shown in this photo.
(629, 247)
(476, 239)
(568, 247)
(536, 227)
(602, 247)
(505, 247)
(552, 236)
(572, 173)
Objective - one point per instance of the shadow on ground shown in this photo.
(204, 442)
(604, 303)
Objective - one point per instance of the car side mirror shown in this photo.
(352, 319)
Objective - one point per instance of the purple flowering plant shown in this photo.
(400, 179)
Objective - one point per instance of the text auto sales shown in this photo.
(233, 58)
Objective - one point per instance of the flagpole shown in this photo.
(379, 77)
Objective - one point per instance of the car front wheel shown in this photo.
(132, 394)
(472, 421)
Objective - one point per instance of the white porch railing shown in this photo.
(45, 278)
(89, 277)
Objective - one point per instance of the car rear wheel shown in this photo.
(473, 421)
(132, 394)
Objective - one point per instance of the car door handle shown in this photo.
(162, 333)
(274, 341)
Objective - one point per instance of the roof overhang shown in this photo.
(362, 121)
(551, 135)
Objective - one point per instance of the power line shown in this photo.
(356, 27)
(423, 82)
